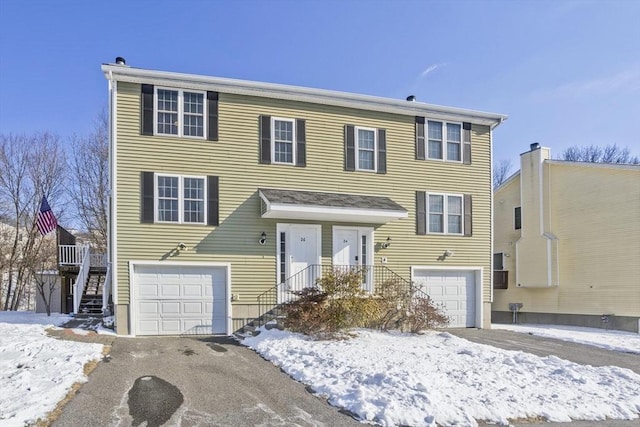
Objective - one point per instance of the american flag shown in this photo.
(46, 221)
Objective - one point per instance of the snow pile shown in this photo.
(627, 342)
(401, 379)
(37, 371)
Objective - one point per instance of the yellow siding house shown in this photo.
(227, 194)
(567, 243)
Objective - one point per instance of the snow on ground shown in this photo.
(627, 342)
(421, 380)
(37, 371)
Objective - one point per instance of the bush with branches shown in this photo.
(337, 303)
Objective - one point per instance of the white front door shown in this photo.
(299, 247)
(353, 246)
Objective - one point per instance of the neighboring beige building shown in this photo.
(567, 241)
(227, 193)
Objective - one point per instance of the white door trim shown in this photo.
(286, 227)
(360, 231)
(478, 276)
(132, 284)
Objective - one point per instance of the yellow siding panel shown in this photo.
(234, 158)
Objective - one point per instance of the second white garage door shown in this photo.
(173, 299)
(454, 291)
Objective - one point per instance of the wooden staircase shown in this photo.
(91, 302)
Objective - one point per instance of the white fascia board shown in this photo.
(327, 213)
(302, 94)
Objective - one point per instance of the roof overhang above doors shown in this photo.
(338, 207)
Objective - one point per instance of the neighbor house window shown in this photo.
(283, 140)
(445, 213)
(180, 113)
(444, 141)
(180, 199)
(517, 218)
(366, 148)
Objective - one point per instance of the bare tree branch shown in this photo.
(90, 184)
(595, 154)
(501, 171)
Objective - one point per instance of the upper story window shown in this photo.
(180, 199)
(517, 218)
(282, 141)
(444, 141)
(180, 113)
(366, 147)
(445, 213)
(283, 137)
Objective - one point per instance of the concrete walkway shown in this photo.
(193, 381)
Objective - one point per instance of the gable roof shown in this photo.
(124, 73)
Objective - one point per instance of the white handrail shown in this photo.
(70, 254)
(106, 289)
(82, 277)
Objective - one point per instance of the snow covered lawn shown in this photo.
(627, 342)
(37, 371)
(421, 380)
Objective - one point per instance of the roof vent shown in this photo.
(120, 61)
(411, 98)
(535, 146)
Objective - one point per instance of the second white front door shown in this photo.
(353, 246)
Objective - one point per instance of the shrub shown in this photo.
(337, 302)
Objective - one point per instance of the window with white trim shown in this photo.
(283, 137)
(180, 113)
(444, 141)
(180, 199)
(366, 144)
(445, 213)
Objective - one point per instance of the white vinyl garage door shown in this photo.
(454, 291)
(171, 300)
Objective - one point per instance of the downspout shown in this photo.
(111, 219)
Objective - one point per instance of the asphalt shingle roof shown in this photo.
(337, 200)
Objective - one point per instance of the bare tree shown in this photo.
(32, 166)
(89, 166)
(501, 171)
(596, 154)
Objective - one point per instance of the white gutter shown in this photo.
(297, 93)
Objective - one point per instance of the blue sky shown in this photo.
(566, 72)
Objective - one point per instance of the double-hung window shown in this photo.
(444, 141)
(180, 113)
(445, 213)
(283, 137)
(180, 199)
(366, 149)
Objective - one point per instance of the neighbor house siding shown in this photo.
(234, 158)
(594, 213)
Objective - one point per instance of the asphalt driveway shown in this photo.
(193, 381)
(214, 381)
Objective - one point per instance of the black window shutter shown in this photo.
(146, 127)
(421, 212)
(147, 189)
(301, 143)
(213, 201)
(212, 109)
(420, 140)
(265, 139)
(382, 151)
(468, 215)
(349, 148)
(466, 141)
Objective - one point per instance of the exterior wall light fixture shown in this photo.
(181, 246)
(263, 238)
(386, 243)
(448, 253)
